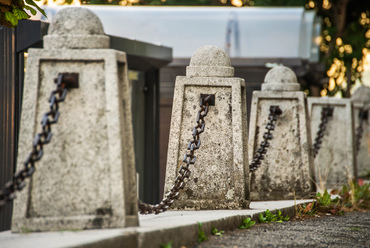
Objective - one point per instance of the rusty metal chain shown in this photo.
(262, 150)
(184, 171)
(360, 130)
(50, 118)
(326, 112)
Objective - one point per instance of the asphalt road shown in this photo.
(349, 230)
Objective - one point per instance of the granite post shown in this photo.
(86, 178)
(287, 170)
(335, 162)
(361, 114)
(219, 177)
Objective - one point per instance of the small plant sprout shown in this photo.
(247, 223)
(353, 196)
(201, 234)
(325, 199)
(270, 217)
(217, 232)
(356, 195)
(308, 209)
(168, 245)
(25, 229)
(325, 204)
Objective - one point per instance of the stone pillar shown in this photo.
(335, 162)
(86, 178)
(287, 168)
(219, 177)
(361, 110)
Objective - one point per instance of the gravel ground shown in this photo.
(349, 230)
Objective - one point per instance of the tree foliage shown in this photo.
(13, 10)
(345, 39)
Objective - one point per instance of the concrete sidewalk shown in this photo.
(179, 226)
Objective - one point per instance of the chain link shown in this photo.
(262, 150)
(360, 130)
(326, 112)
(184, 171)
(51, 117)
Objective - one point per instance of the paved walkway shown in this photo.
(350, 230)
(179, 226)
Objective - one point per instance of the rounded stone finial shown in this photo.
(280, 78)
(361, 95)
(76, 28)
(210, 61)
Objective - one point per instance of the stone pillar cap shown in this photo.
(361, 95)
(75, 28)
(280, 78)
(210, 61)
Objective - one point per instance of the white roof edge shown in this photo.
(247, 32)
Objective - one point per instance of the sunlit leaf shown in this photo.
(33, 11)
(10, 17)
(20, 14)
(32, 3)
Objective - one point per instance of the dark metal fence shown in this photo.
(13, 44)
(7, 129)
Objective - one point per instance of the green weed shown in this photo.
(201, 234)
(247, 223)
(324, 200)
(354, 229)
(168, 245)
(270, 217)
(356, 195)
(25, 230)
(353, 196)
(324, 204)
(217, 232)
(308, 209)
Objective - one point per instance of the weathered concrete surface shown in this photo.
(210, 62)
(361, 102)
(86, 178)
(363, 152)
(280, 79)
(287, 169)
(335, 162)
(179, 226)
(219, 178)
(74, 28)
